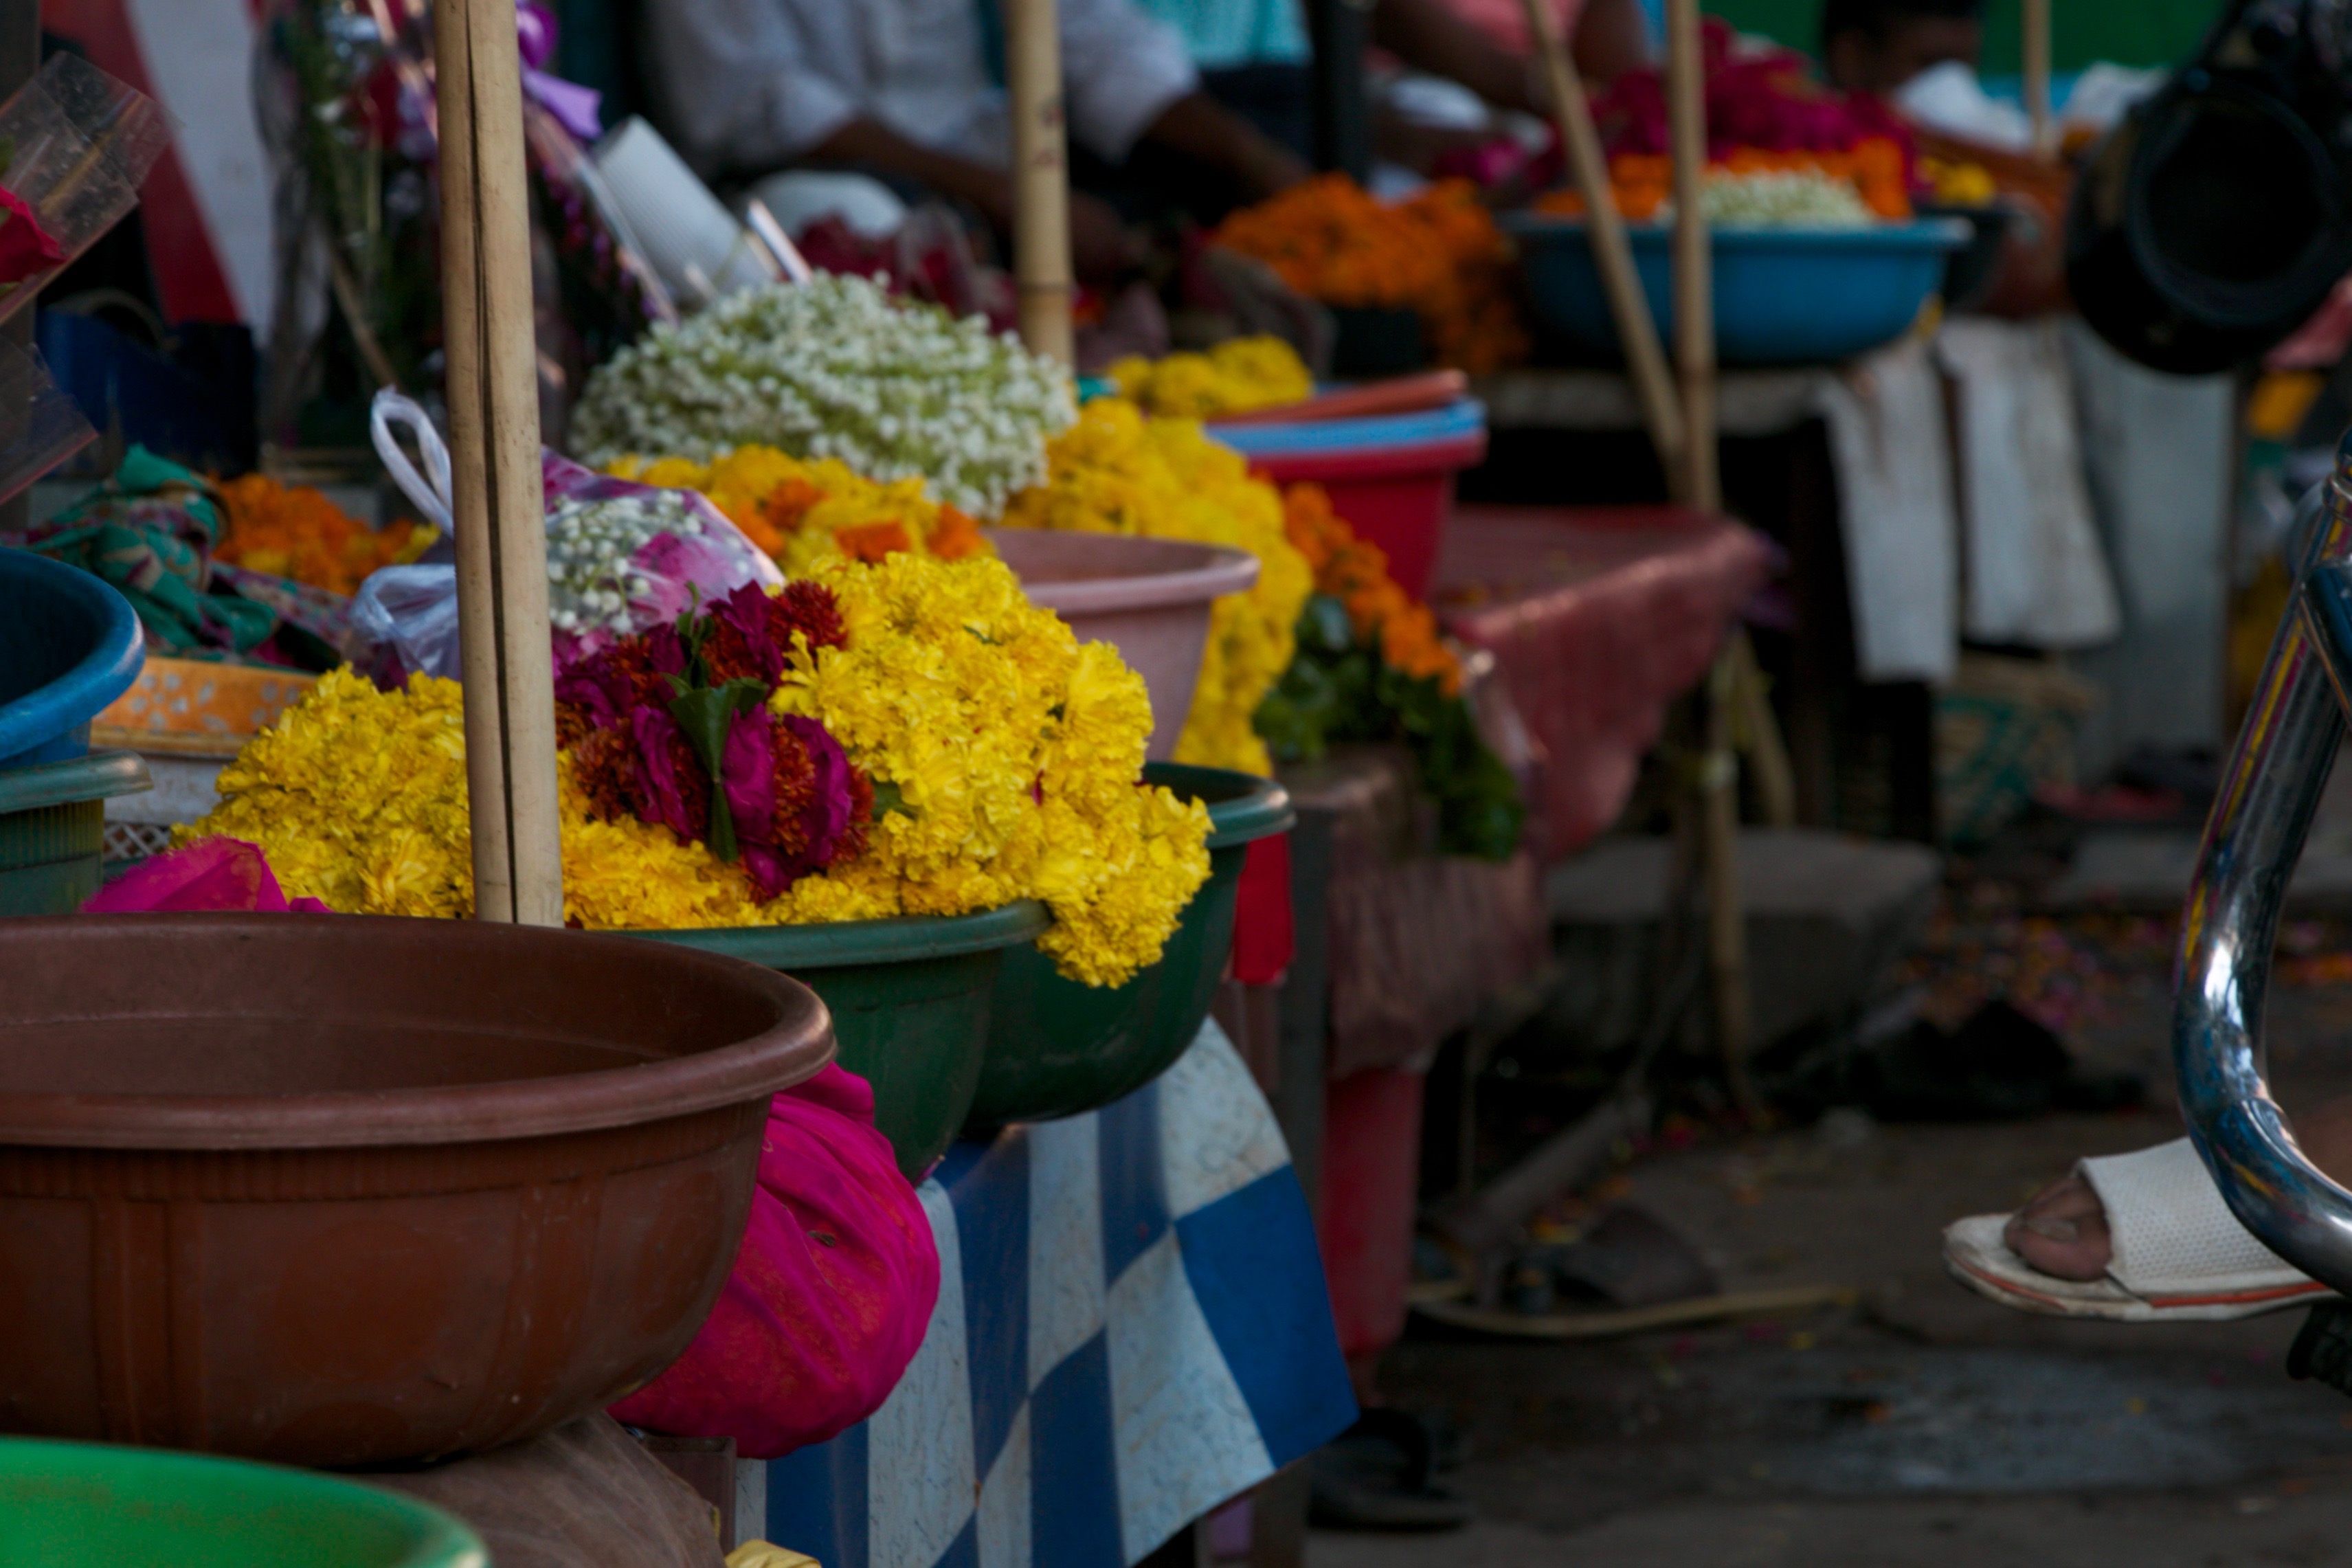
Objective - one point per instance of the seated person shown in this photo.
(1877, 46)
(910, 91)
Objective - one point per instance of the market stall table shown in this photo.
(1131, 1329)
(1598, 618)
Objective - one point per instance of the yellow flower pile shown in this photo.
(1231, 378)
(1004, 756)
(800, 510)
(1116, 472)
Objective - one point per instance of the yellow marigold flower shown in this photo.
(1004, 756)
(1116, 472)
(1231, 378)
(800, 510)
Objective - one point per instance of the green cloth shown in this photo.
(150, 531)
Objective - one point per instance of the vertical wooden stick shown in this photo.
(493, 387)
(2036, 25)
(1694, 266)
(1628, 306)
(1726, 923)
(1040, 178)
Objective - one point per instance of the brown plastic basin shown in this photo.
(334, 1191)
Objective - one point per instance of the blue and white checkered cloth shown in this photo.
(1132, 1327)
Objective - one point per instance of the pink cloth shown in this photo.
(1599, 617)
(829, 1298)
(210, 874)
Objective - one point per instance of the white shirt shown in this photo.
(751, 84)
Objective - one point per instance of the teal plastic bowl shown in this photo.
(910, 1002)
(1782, 296)
(89, 1505)
(1057, 1047)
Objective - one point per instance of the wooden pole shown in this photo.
(493, 387)
(1702, 485)
(1041, 177)
(2036, 26)
(1628, 306)
(1719, 781)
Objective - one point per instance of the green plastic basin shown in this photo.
(53, 827)
(85, 1505)
(909, 1000)
(1057, 1047)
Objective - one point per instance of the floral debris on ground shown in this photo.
(1117, 472)
(834, 368)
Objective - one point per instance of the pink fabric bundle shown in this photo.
(833, 1288)
(210, 874)
(829, 1299)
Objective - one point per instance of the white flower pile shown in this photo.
(1773, 198)
(834, 368)
(589, 580)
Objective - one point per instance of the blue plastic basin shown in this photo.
(1782, 296)
(69, 644)
(1383, 432)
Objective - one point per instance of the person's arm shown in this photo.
(1203, 130)
(1100, 246)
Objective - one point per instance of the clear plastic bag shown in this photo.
(40, 427)
(404, 618)
(75, 145)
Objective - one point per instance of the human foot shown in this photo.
(2063, 1230)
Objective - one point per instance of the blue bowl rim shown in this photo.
(1463, 417)
(1919, 233)
(104, 674)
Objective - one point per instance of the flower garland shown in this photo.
(295, 532)
(800, 511)
(1371, 667)
(1234, 377)
(985, 753)
(671, 726)
(1437, 253)
(834, 368)
(1116, 472)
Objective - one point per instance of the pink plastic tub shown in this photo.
(1149, 598)
(1390, 477)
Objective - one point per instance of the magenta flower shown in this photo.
(664, 793)
(828, 812)
(748, 780)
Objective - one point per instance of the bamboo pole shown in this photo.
(1628, 306)
(1719, 781)
(2036, 26)
(493, 388)
(1040, 178)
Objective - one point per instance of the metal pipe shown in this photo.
(2261, 817)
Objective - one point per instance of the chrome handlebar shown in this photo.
(2260, 818)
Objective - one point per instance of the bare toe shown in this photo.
(2062, 1232)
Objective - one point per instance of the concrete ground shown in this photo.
(1920, 1424)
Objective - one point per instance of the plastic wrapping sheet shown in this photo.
(1416, 939)
(1598, 618)
(582, 1496)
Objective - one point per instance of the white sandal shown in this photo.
(2179, 1253)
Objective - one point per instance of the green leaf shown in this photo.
(705, 713)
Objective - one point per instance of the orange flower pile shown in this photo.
(1356, 572)
(1645, 182)
(1438, 253)
(293, 530)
